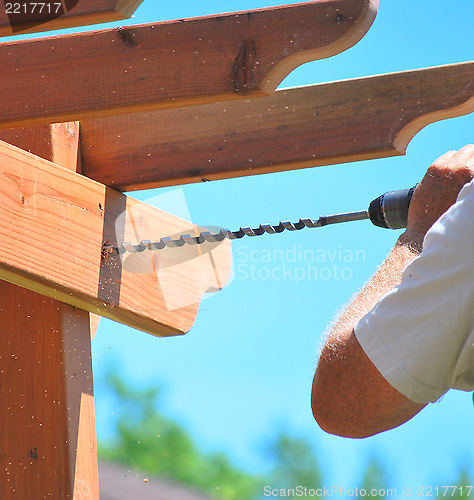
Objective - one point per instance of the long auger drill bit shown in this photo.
(389, 210)
(207, 236)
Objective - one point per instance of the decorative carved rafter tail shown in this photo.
(171, 64)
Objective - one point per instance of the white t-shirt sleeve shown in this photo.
(420, 335)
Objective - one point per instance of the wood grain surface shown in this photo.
(309, 126)
(170, 64)
(55, 222)
(43, 398)
(49, 449)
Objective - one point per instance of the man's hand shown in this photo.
(350, 397)
(438, 190)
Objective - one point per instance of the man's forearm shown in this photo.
(437, 191)
(387, 277)
(350, 397)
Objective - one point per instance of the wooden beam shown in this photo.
(58, 143)
(46, 391)
(294, 128)
(171, 64)
(18, 18)
(54, 223)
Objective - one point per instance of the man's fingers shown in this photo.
(464, 157)
(440, 187)
(444, 158)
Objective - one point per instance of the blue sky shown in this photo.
(245, 369)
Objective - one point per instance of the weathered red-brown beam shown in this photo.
(31, 17)
(304, 127)
(171, 64)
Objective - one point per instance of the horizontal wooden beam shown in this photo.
(302, 127)
(54, 223)
(57, 143)
(171, 64)
(17, 18)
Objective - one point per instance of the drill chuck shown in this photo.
(390, 210)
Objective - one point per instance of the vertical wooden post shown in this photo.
(48, 438)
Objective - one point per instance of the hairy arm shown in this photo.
(350, 397)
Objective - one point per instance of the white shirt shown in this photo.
(420, 335)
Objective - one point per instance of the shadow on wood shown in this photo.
(54, 222)
(32, 17)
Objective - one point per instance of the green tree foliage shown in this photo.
(150, 442)
(375, 480)
(462, 487)
(294, 463)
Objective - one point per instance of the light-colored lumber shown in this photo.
(171, 64)
(58, 143)
(48, 445)
(25, 17)
(310, 126)
(54, 223)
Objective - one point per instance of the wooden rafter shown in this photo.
(33, 17)
(55, 222)
(171, 64)
(294, 128)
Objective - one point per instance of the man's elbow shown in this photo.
(350, 398)
(332, 414)
(327, 420)
(339, 399)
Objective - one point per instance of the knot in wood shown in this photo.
(244, 67)
(127, 37)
